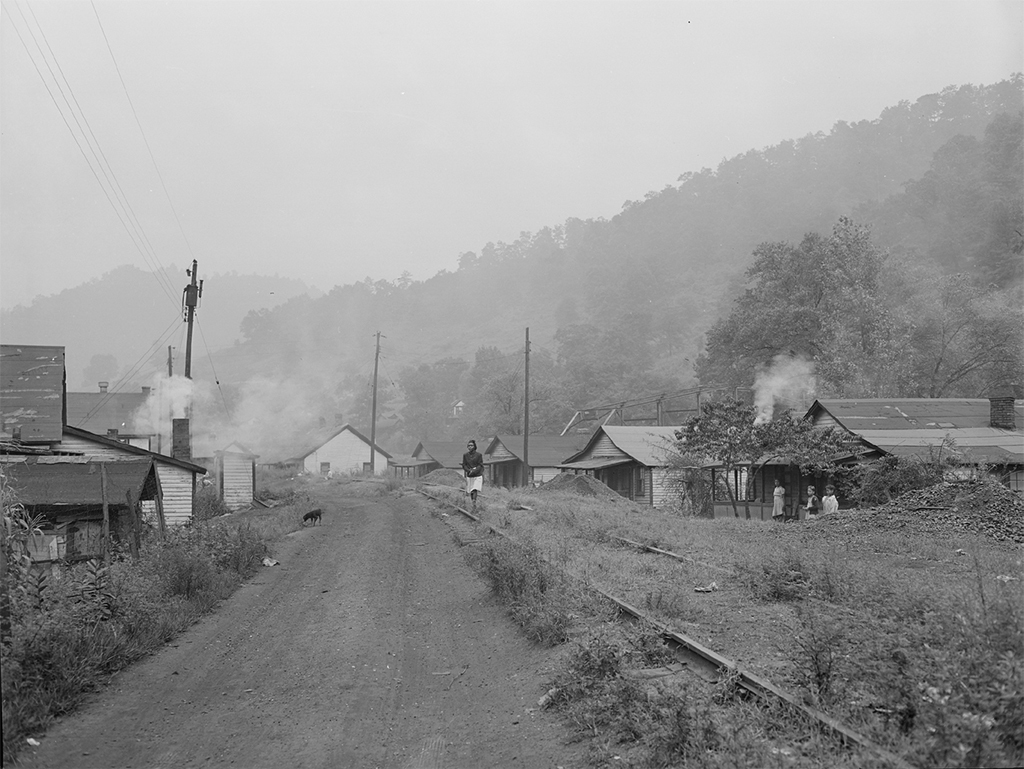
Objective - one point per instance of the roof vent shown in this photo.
(103, 386)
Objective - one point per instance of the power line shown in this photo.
(125, 212)
(142, 132)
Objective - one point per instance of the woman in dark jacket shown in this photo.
(473, 467)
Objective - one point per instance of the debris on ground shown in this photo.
(984, 507)
(444, 477)
(584, 485)
(269, 562)
(707, 588)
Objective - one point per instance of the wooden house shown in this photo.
(428, 456)
(33, 410)
(339, 449)
(504, 457)
(632, 460)
(111, 414)
(981, 432)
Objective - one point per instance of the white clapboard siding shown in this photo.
(237, 480)
(176, 483)
(663, 487)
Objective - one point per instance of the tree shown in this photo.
(728, 432)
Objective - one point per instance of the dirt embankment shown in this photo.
(372, 644)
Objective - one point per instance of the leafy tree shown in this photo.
(430, 391)
(820, 300)
(728, 432)
(101, 368)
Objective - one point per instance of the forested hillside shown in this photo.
(884, 257)
(912, 258)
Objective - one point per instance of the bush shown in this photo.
(536, 594)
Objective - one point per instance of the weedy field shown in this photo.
(902, 624)
(63, 633)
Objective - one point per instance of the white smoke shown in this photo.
(170, 398)
(788, 380)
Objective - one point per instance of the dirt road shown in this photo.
(372, 644)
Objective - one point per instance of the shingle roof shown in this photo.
(648, 445)
(446, 453)
(299, 449)
(70, 481)
(545, 450)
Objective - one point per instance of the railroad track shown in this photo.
(705, 662)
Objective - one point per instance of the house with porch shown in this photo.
(633, 460)
(429, 456)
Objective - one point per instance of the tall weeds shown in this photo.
(62, 631)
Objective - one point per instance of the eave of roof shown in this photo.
(81, 483)
(86, 435)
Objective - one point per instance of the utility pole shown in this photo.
(526, 414)
(170, 362)
(373, 419)
(192, 293)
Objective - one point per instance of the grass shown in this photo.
(914, 639)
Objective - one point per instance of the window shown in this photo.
(325, 468)
(641, 482)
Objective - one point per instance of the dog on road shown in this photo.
(313, 516)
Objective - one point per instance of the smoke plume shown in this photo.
(788, 380)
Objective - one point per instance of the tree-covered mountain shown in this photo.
(907, 227)
(620, 308)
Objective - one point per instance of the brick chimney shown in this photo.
(146, 390)
(181, 447)
(103, 386)
(1001, 413)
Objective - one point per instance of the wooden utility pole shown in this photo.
(526, 414)
(106, 513)
(373, 416)
(193, 291)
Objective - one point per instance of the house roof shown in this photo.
(63, 480)
(99, 412)
(32, 385)
(545, 450)
(236, 448)
(445, 453)
(103, 440)
(307, 444)
(856, 414)
(914, 426)
(984, 444)
(645, 444)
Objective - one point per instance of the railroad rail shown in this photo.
(708, 663)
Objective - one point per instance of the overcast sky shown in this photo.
(331, 141)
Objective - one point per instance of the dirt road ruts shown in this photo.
(372, 644)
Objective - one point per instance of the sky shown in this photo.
(334, 141)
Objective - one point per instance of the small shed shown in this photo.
(235, 473)
(85, 504)
(632, 460)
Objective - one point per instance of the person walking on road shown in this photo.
(473, 467)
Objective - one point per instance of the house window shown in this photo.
(325, 468)
(641, 484)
